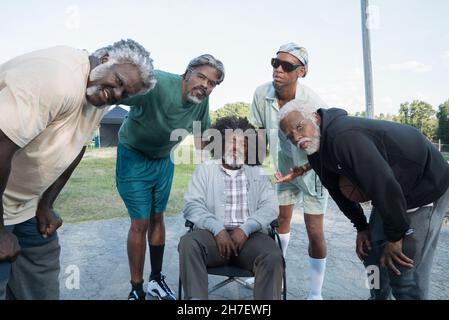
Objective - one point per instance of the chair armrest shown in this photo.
(274, 224)
(273, 229)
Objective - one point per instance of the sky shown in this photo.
(409, 41)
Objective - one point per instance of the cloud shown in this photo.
(412, 66)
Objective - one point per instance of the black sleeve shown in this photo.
(352, 210)
(366, 164)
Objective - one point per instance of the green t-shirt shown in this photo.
(154, 116)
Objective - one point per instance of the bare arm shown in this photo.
(50, 195)
(293, 174)
(9, 246)
(7, 150)
(48, 218)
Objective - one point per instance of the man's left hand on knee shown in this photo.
(393, 255)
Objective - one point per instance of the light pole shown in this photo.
(367, 60)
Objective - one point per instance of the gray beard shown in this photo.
(191, 98)
(314, 141)
(98, 73)
(90, 91)
(314, 146)
(236, 162)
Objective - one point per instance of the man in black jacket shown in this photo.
(399, 170)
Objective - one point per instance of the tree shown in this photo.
(396, 118)
(386, 117)
(443, 122)
(381, 116)
(238, 109)
(420, 115)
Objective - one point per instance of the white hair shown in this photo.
(129, 51)
(307, 111)
(301, 106)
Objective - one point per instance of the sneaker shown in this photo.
(136, 295)
(158, 289)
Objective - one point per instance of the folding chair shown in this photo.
(233, 273)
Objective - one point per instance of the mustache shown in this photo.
(96, 89)
(302, 140)
(201, 88)
(90, 91)
(234, 161)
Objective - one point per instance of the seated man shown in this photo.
(231, 204)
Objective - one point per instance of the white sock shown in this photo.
(285, 239)
(317, 268)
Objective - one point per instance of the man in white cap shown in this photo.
(294, 180)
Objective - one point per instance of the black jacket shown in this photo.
(393, 164)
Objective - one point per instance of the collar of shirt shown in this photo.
(239, 171)
(271, 95)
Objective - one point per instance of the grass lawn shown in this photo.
(90, 194)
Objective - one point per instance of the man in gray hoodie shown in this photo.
(231, 203)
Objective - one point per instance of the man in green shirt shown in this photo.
(144, 170)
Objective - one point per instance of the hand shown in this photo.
(361, 243)
(293, 174)
(393, 254)
(49, 220)
(226, 246)
(239, 238)
(9, 246)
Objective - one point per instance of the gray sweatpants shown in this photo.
(413, 283)
(260, 254)
(34, 274)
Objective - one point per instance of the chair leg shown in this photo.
(179, 289)
(243, 283)
(221, 284)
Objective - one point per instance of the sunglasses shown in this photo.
(286, 66)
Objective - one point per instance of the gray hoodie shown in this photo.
(204, 201)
